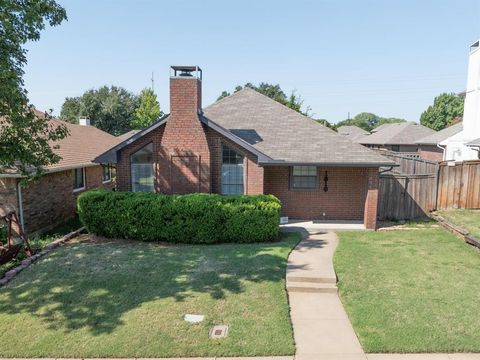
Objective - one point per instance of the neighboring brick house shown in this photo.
(248, 143)
(429, 148)
(399, 137)
(51, 200)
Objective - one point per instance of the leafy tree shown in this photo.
(24, 135)
(148, 111)
(445, 109)
(110, 109)
(325, 123)
(275, 92)
(368, 121)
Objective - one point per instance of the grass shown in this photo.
(410, 290)
(39, 241)
(469, 219)
(128, 299)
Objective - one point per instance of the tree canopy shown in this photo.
(445, 110)
(24, 135)
(148, 110)
(111, 109)
(275, 92)
(368, 121)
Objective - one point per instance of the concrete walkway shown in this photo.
(321, 327)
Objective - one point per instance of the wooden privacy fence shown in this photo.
(422, 186)
(406, 196)
(459, 185)
(411, 164)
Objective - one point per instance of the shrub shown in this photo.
(193, 218)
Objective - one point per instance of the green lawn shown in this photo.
(39, 241)
(411, 290)
(128, 299)
(469, 219)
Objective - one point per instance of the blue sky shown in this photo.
(384, 56)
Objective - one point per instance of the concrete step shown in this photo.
(310, 279)
(311, 287)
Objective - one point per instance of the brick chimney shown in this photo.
(184, 141)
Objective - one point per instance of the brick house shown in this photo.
(429, 148)
(248, 143)
(51, 200)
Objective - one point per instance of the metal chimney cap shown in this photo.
(186, 71)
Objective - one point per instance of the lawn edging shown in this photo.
(10, 274)
(458, 231)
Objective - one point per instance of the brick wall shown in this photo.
(348, 193)
(371, 201)
(51, 201)
(430, 152)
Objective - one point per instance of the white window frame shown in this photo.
(292, 176)
(84, 172)
(151, 165)
(242, 166)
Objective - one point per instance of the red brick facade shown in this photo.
(430, 152)
(350, 196)
(49, 201)
(187, 157)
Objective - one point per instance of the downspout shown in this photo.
(20, 204)
(443, 149)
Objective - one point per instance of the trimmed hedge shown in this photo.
(192, 218)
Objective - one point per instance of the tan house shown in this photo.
(51, 200)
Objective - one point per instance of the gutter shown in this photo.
(325, 164)
(20, 205)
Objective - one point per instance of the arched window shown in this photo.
(232, 172)
(142, 169)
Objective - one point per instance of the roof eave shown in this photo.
(326, 164)
(111, 156)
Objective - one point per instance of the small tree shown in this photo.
(148, 110)
(25, 137)
(445, 109)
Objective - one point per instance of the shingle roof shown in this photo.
(352, 132)
(77, 149)
(381, 127)
(406, 133)
(274, 133)
(441, 135)
(286, 135)
(127, 135)
(81, 146)
(474, 143)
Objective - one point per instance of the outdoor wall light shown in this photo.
(325, 180)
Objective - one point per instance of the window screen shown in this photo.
(142, 169)
(78, 178)
(106, 173)
(232, 172)
(304, 177)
